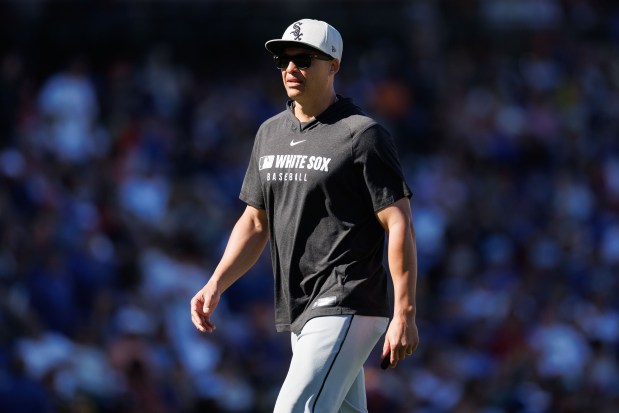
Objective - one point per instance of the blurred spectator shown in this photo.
(20, 392)
(69, 109)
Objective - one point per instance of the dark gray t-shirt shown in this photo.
(321, 184)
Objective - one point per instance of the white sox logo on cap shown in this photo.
(297, 31)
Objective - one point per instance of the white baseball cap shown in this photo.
(311, 33)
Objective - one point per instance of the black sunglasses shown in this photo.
(301, 61)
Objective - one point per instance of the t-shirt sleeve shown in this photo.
(376, 158)
(251, 190)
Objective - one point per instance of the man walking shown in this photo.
(324, 185)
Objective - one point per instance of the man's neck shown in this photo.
(307, 111)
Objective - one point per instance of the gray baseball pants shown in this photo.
(326, 370)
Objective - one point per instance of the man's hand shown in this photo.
(202, 306)
(401, 339)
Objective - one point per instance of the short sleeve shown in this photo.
(251, 190)
(376, 158)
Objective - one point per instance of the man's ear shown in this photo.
(334, 67)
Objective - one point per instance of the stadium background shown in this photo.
(125, 129)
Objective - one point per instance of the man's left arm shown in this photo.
(402, 337)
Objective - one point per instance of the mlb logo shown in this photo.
(266, 162)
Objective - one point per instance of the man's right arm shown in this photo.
(246, 243)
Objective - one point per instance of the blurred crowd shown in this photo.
(120, 181)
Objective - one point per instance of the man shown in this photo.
(324, 183)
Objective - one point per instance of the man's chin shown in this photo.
(294, 93)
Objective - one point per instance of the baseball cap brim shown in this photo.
(277, 46)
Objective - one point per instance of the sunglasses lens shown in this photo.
(301, 61)
(281, 62)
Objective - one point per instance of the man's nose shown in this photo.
(291, 67)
